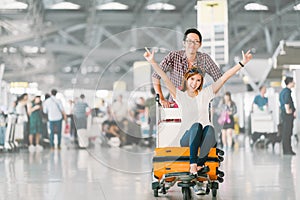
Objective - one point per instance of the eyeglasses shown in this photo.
(193, 42)
(196, 70)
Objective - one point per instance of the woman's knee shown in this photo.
(209, 130)
(197, 126)
(184, 141)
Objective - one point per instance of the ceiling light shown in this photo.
(65, 6)
(292, 67)
(160, 6)
(112, 6)
(255, 6)
(12, 50)
(12, 4)
(30, 49)
(297, 7)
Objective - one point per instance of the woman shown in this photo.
(22, 122)
(195, 127)
(228, 107)
(35, 123)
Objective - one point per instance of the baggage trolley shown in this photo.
(10, 143)
(263, 128)
(171, 162)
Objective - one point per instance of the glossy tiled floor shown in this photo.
(125, 173)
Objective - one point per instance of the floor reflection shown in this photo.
(125, 173)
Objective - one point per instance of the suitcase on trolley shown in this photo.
(176, 159)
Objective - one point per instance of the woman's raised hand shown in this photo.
(246, 57)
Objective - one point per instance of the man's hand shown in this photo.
(149, 56)
(164, 103)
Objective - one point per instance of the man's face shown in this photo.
(292, 84)
(192, 43)
(263, 90)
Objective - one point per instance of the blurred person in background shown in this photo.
(70, 116)
(119, 110)
(260, 101)
(54, 108)
(229, 109)
(35, 111)
(3, 124)
(23, 117)
(81, 111)
(288, 114)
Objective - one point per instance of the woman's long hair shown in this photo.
(191, 72)
(229, 97)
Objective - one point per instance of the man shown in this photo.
(288, 113)
(53, 107)
(81, 111)
(178, 62)
(260, 101)
(119, 109)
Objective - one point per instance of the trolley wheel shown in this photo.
(214, 192)
(163, 190)
(155, 192)
(207, 190)
(220, 173)
(220, 152)
(186, 192)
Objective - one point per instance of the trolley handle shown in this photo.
(157, 99)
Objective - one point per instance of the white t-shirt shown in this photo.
(194, 109)
(53, 107)
(119, 110)
(21, 111)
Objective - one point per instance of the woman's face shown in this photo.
(227, 98)
(37, 100)
(194, 82)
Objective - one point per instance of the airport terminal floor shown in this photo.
(109, 173)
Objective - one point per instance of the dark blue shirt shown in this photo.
(285, 97)
(260, 101)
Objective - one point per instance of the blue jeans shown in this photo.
(2, 135)
(198, 137)
(55, 127)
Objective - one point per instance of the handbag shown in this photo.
(224, 118)
(67, 128)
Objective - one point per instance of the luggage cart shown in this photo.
(171, 162)
(10, 143)
(263, 129)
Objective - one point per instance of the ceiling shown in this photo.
(90, 48)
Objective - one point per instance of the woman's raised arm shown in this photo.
(232, 71)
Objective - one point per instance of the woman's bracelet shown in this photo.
(242, 65)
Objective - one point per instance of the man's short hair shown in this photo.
(261, 87)
(192, 30)
(288, 80)
(82, 96)
(53, 92)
